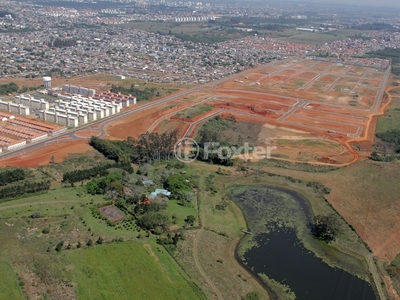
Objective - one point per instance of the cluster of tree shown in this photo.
(153, 147)
(8, 88)
(388, 53)
(154, 220)
(318, 187)
(212, 132)
(3, 13)
(109, 149)
(25, 89)
(180, 188)
(110, 183)
(141, 95)
(10, 176)
(61, 43)
(374, 26)
(360, 36)
(376, 157)
(24, 188)
(325, 228)
(392, 137)
(170, 240)
(387, 146)
(102, 170)
(201, 38)
(148, 147)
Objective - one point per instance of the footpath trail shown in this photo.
(375, 275)
(34, 203)
(198, 266)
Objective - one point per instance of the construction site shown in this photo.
(311, 110)
(40, 118)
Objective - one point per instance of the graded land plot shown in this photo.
(192, 112)
(252, 106)
(170, 125)
(318, 86)
(335, 117)
(357, 70)
(340, 98)
(105, 272)
(294, 83)
(307, 75)
(112, 213)
(346, 82)
(302, 64)
(273, 80)
(136, 124)
(256, 95)
(324, 125)
(287, 72)
(375, 74)
(9, 286)
(371, 83)
(43, 156)
(329, 79)
(335, 109)
(338, 69)
(366, 97)
(300, 145)
(321, 66)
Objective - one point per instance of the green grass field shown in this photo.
(128, 271)
(9, 288)
(391, 120)
(193, 111)
(56, 202)
(313, 38)
(182, 212)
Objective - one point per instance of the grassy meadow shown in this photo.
(9, 285)
(391, 119)
(128, 270)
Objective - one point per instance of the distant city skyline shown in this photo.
(381, 3)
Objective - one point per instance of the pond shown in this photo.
(276, 216)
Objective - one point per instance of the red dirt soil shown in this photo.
(307, 75)
(332, 117)
(87, 133)
(322, 125)
(42, 156)
(137, 124)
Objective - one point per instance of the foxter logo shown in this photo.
(186, 150)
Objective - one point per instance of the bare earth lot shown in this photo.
(112, 213)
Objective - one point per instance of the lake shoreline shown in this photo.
(246, 243)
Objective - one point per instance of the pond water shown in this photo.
(281, 256)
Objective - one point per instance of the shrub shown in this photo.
(35, 215)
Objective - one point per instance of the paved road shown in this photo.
(379, 96)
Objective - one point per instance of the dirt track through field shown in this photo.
(198, 266)
(35, 203)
